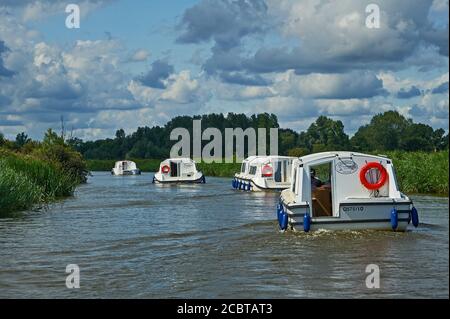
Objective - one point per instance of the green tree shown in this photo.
(324, 134)
(392, 131)
(383, 133)
(120, 134)
(22, 139)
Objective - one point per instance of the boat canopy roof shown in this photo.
(266, 159)
(125, 165)
(344, 154)
(124, 161)
(179, 159)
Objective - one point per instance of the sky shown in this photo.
(140, 63)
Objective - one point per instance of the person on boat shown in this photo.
(315, 182)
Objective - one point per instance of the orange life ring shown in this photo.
(380, 182)
(165, 169)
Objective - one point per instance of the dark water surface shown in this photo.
(133, 239)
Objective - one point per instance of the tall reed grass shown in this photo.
(421, 172)
(26, 182)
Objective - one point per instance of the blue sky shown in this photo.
(136, 63)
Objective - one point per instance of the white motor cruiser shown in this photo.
(260, 173)
(178, 170)
(344, 191)
(125, 168)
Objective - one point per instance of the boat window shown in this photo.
(294, 183)
(243, 167)
(252, 170)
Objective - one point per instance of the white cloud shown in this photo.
(140, 55)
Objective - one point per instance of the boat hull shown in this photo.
(200, 180)
(353, 216)
(257, 187)
(127, 173)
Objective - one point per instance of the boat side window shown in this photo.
(243, 167)
(252, 170)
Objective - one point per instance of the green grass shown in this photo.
(417, 172)
(26, 183)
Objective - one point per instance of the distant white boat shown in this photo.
(260, 173)
(125, 168)
(344, 191)
(178, 170)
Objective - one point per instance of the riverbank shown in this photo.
(417, 172)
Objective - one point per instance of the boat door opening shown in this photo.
(174, 169)
(278, 172)
(282, 171)
(322, 189)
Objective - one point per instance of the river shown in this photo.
(133, 239)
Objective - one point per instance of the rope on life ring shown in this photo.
(165, 169)
(381, 181)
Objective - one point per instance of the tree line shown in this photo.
(386, 131)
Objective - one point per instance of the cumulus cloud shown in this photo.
(140, 55)
(332, 86)
(413, 91)
(442, 88)
(3, 71)
(225, 22)
(325, 37)
(159, 72)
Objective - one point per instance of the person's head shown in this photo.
(313, 172)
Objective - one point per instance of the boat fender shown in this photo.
(153, 180)
(240, 185)
(306, 222)
(394, 219)
(279, 212)
(248, 186)
(283, 220)
(414, 217)
(203, 179)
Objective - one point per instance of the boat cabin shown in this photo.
(264, 173)
(178, 170)
(125, 168)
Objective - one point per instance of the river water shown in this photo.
(133, 239)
